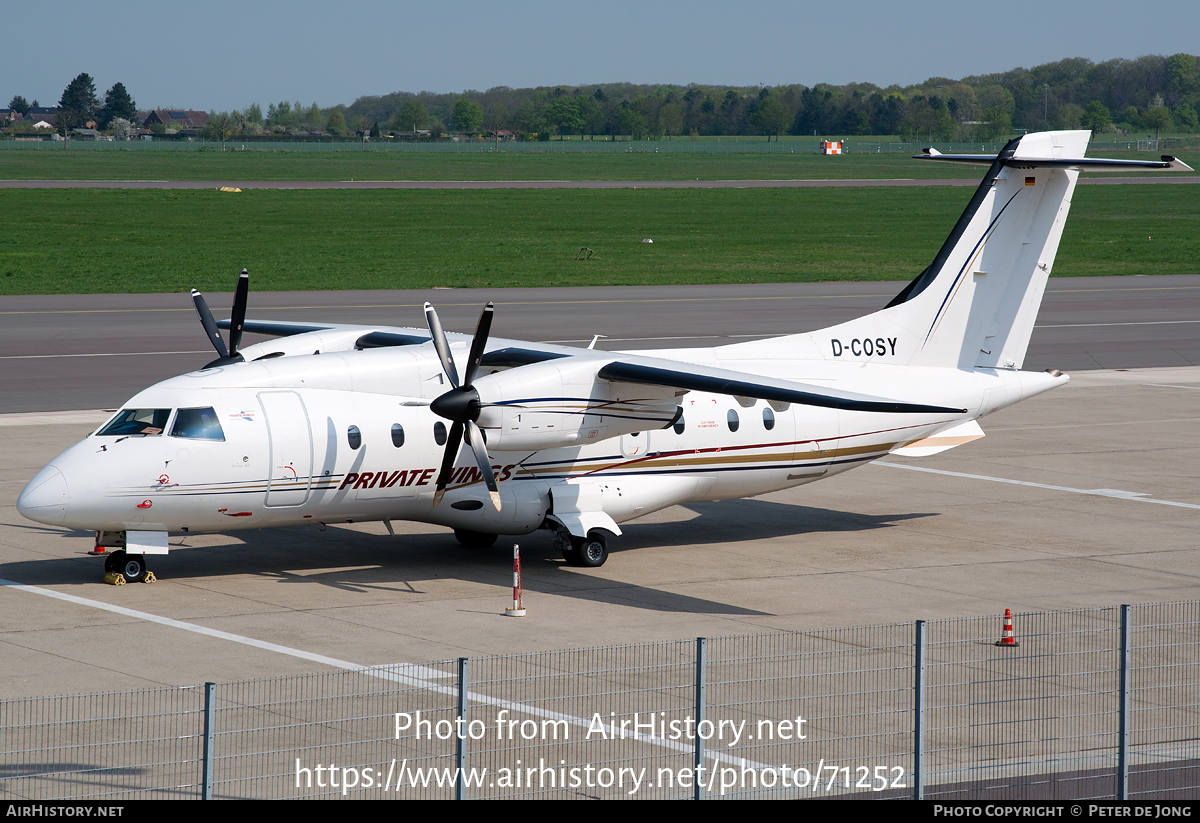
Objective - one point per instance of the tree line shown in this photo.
(1150, 93)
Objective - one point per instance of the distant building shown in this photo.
(185, 120)
(42, 117)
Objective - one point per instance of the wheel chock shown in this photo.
(114, 578)
(149, 577)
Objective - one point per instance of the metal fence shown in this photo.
(684, 145)
(1093, 703)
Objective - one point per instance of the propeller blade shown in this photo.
(475, 439)
(439, 343)
(453, 443)
(238, 318)
(461, 404)
(479, 343)
(210, 325)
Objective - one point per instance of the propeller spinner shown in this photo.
(236, 321)
(461, 405)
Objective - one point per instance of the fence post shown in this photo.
(1123, 732)
(919, 714)
(697, 773)
(206, 777)
(460, 748)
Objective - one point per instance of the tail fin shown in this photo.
(975, 305)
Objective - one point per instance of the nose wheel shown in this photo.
(121, 567)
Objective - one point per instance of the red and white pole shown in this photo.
(517, 609)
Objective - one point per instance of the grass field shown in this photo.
(477, 165)
(86, 241)
(116, 164)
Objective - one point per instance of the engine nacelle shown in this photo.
(524, 507)
(561, 402)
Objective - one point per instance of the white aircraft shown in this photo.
(338, 423)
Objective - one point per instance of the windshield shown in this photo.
(136, 421)
(197, 424)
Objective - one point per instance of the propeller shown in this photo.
(461, 405)
(236, 321)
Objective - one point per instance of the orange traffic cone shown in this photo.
(1007, 638)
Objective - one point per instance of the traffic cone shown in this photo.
(1007, 638)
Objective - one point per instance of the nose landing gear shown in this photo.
(121, 568)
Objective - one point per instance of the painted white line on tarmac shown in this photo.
(94, 354)
(1116, 493)
(417, 671)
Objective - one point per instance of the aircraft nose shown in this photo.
(45, 498)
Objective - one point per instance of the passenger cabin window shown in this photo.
(679, 425)
(354, 437)
(439, 433)
(136, 421)
(732, 418)
(397, 435)
(768, 418)
(197, 424)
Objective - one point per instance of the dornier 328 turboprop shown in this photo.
(333, 423)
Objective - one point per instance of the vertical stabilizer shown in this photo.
(978, 302)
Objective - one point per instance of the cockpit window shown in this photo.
(136, 421)
(197, 424)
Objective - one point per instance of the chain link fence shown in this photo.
(1091, 703)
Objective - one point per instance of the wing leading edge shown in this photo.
(738, 384)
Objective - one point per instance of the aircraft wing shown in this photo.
(374, 337)
(691, 377)
(619, 368)
(278, 328)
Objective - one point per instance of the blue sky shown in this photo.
(225, 54)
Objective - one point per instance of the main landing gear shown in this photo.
(121, 567)
(589, 552)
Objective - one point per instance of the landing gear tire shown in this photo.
(592, 550)
(475, 540)
(131, 566)
(113, 561)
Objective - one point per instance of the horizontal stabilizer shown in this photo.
(1167, 163)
